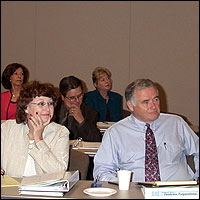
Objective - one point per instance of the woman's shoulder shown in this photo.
(58, 127)
(115, 94)
(10, 124)
(91, 93)
(6, 93)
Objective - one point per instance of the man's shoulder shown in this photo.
(88, 109)
(170, 116)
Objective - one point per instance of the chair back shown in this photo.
(78, 161)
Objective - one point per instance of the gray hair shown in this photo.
(138, 84)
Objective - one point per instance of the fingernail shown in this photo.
(29, 118)
(31, 115)
(36, 113)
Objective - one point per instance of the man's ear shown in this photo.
(62, 97)
(130, 106)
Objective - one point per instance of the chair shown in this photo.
(78, 161)
(190, 162)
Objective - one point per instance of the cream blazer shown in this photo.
(50, 154)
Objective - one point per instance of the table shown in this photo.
(77, 192)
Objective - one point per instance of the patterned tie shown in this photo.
(151, 157)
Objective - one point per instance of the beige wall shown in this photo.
(134, 39)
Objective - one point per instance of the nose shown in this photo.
(152, 104)
(77, 99)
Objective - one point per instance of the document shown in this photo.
(7, 181)
(171, 192)
(168, 183)
(35, 179)
(50, 187)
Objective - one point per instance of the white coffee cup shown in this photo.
(124, 177)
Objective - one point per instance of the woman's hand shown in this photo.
(37, 126)
(2, 172)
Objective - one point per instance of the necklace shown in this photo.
(15, 95)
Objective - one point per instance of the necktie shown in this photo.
(151, 157)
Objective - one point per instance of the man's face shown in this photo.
(73, 97)
(147, 105)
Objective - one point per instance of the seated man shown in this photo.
(74, 114)
(151, 144)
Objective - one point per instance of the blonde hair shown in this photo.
(98, 72)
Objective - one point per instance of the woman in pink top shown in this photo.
(13, 77)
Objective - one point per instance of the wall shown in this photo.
(134, 39)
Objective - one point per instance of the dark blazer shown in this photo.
(98, 103)
(87, 130)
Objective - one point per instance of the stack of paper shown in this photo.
(7, 181)
(54, 184)
(170, 190)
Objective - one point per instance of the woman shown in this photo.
(107, 103)
(13, 77)
(32, 144)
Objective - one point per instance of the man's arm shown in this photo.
(106, 161)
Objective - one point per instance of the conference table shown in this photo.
(76, 192)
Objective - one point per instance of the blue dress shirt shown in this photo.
(123, 147)
(98, 103)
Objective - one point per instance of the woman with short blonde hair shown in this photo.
(108, 104)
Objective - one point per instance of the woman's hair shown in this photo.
(30, 91)
(69, 83)
(138, 84)
(98, 72)
(9, 70)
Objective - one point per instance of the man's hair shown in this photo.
(138, 84)
(69, 83)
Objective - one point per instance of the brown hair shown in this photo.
(9, 71)
(30, 91)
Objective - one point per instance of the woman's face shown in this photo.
(104, 83)
(17, 77)
(43, 106)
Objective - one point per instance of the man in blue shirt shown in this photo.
(123, 144)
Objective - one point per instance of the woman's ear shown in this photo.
(26, 110)
(95, 85)
(130, 106)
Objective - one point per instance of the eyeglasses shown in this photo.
(43, 104)
(73, 98)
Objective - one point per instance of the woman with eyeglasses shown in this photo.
(13, 76)
(107, 103)
(33, 144)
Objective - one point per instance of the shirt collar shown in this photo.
(142, 125)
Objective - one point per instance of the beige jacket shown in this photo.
(50, 154)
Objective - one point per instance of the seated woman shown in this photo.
(32, 144)
(108, 104)
(13, 76)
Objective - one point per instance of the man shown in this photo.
(123, 144)
(74, 114)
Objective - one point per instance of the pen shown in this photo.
(165, 144)
(114, 183)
